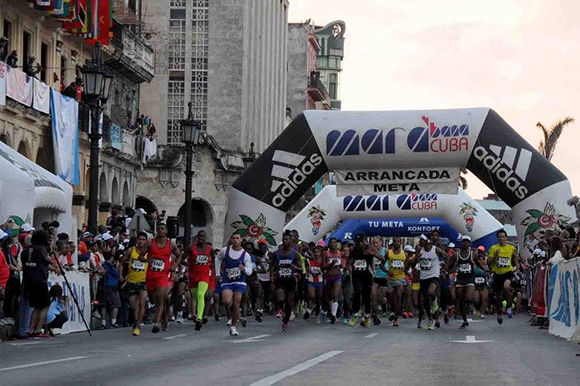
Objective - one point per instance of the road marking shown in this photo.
(471, 339)
(296, 369)
(253, 339)
(371, 335)
(175, 336)
(42, 363)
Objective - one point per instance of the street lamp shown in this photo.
(191, 136)
(250, 157)
(96, 87)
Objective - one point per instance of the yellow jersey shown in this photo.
(397, 265)
(137, 268)
(503, 263)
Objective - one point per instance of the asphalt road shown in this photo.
(485, 354)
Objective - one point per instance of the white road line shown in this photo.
(42, 363)
(175, 336)
(471, 339)
(257, 338)
(371, 335)
(296, 369)
(34, 342)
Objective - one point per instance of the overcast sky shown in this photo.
(517, 57)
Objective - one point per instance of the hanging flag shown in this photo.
(3, 71)
(44, 5)
(65, 136)
(105, 23)
(69, 11)
(79, 20)
(58, 8)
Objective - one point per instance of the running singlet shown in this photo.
(503, 263)
(161, 259)
(335, 261)
(137, 268)
(232, 271)
(361, 263)
(315, 271)
(465, 266)
(199, 264)
(429, 264)
(285, 270)
(380, 274)
(266, 265)
(397, 265)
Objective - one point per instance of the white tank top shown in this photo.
(429, 263)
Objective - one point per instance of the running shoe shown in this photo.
(344, 320)
(233, 331)
(323, 316)
(198, 325)
(204, 320)
(259, 315)
(318, 319)
(464, 326)
(419, 326)
(367, 321)
(411, 315)
(179, 318)
(446, 319)
(136, 331)
(332, 319)
(279, 314)
(392, 317)
(229, 323)
(510, 313)
(405, 314)
(216, 317)
(482, 316)
(306, 315)
(376, 320)
(499, 320)
(42, 335)
(353, 320)
(292, 316)
(284, 326)
(431, 325)
(504, 304)
(155, 329)
(396, 323)
(478, 314)
(244, 322)
(434, 307)
(437, 324)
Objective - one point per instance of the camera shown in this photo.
(50, 226)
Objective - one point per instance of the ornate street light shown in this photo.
(250, 157)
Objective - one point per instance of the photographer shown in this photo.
(57, 314)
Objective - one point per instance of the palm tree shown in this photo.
(462, 179)
(548, 144)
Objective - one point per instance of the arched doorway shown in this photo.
(24, 149)
(116, 196)
(201, 217)
(146, 204)
(103, 194)
(5, 138)
(126, 198)
(44, 158)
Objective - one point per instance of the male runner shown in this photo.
(333, 279)
(251, 295)
(285, 262)
(379, 280)
(503, 262)
(396, 280)
(232, 265)
(158, 278)
(136, 280)
(263, 268)
(199, 261)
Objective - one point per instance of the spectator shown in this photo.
(112, 298)
(30, 69)
(4, 273)
(12, 249)
(557, 250)
(71, 90)
(3, 48)
(12, 59)
(57, 314)
(151, 131)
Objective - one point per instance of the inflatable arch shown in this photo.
(462, 212)
(477, 139)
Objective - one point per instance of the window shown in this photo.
(333, 85)
(26, 46)
(175, 106)
(8, 34)
(199, 56)
(43, 61)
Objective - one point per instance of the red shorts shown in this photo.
(212, 283)
(158, 281)
(194, 280)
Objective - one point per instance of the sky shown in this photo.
(516, 57)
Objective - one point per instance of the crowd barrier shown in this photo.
(564, 299)
(80, 284)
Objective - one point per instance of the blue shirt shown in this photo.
(112, 276)
(380, 274)
(55, 309)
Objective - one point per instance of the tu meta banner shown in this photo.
(397, 181)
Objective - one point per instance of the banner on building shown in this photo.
(115, 135)
(564, 299)
(19, 86)
(3, 69)
(65, 138)
(397, 181)
(79, 282)
(41, 99)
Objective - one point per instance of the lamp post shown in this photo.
(96, 85)
(191, 136)
(250, 157)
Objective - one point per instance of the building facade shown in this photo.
(228, 58)
(61, 56)
(329, 61)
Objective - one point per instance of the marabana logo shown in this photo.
(362, 203)
(289, 172)
(383, 141)
(417, 201)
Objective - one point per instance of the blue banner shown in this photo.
(65, 136)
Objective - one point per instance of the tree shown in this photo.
(462, 179)
(548, 144)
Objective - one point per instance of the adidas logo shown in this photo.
(289, 172)
(508, 164)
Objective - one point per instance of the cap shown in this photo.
(481, 248)
(126, 241)
(321, 243)
(537, 251)
(262, 241)
(543, 254)
(465, 237)
(409, 248)
(2, 234)
(390, 242)
(121, 247)
(87, 234)
(451, 245)
(106, 236)
(423, 237)
(26, 227)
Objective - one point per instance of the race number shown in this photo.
(503, 262)
(479, 280)
(285, 272)
(425, 264)
(158, 265)
(233, 273)
(465, 268)
(360, 265)
(201, 260)
(397, 264)
(137, 265)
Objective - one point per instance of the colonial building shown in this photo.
(227, 57)
(61, 56)
(329, 60)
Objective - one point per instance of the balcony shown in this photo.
(335, 105)
(130, 56)
(316, 88)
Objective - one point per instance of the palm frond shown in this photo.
(554, 134)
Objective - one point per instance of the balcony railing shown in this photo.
(316, 88)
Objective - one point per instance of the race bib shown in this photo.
(360, 265)
(397, 264)
(285, 272)
(137, 265)
(158, 265)
(201, 260)
(315, 271)
(465, 268)
(233, 273)
(425, 264)
(503, 262)
(479, 280)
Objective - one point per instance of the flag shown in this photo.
(44, 5)
(105, 23)
(58, 8)
(69, 11)
(79, 19)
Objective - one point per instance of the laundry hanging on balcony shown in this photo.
(19, 86)
(3, 69)
(65, 139)
(41, 101)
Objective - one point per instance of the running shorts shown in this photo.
(393, 284)
(161, 281)
(194, 283)
(135, 288)
(328, 280)
(318, 285)
(424, 284)
(235, 286)
(288, 285)
(465, 281)
(381, 281)
(499, 280)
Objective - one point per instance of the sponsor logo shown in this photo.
(386, 224)
(394, 175)
(417, 201)
(501, 162)
(427, 138)
(289, 172)
(423, 228)
(424, 220)
(362, 203)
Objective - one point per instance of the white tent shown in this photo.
(33, 193)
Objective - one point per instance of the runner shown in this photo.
(333, 278)
(159, 279)
(263, 264)
(361, 261)
(428, 259)
(396, 280)
(315, 281)
(136, 286)
(414, 273)
(481, 293)
(232, 265)
(286, 261)
(251, 296)
(346, 295)
(199, 261)
(379, 291)
(503, 261)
